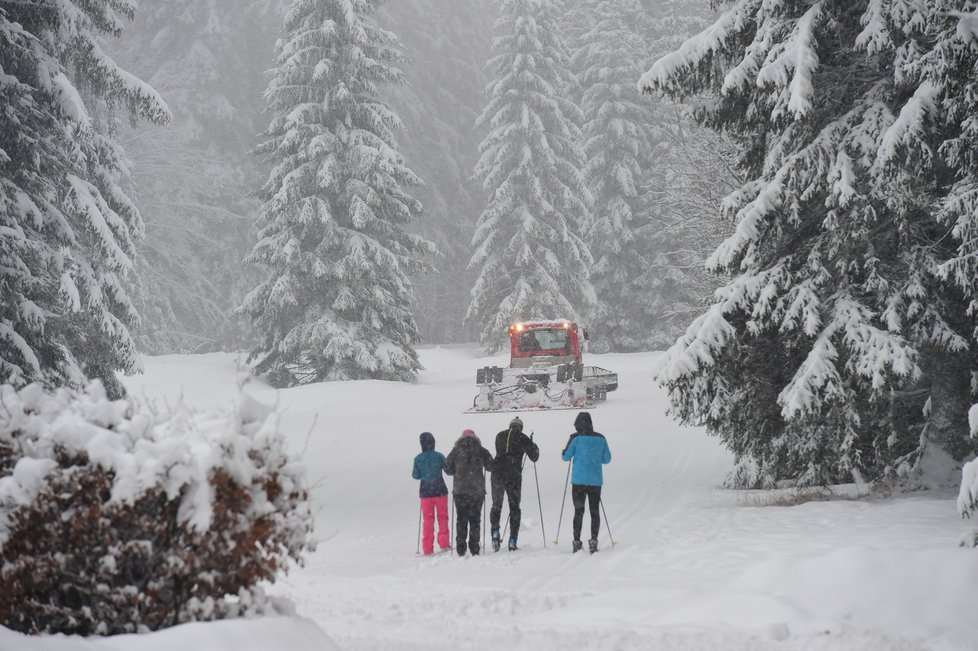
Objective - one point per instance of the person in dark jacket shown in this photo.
(589, 451)
(428, 467)
(507, 477)
(468, 462)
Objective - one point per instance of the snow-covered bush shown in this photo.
(115, 518)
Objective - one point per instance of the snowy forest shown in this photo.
(777, 197)
(206, 175)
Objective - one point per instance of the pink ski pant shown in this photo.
(430, 506)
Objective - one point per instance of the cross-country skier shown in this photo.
(428, 468)
(507, 476)
(468, 461)
(589, 451)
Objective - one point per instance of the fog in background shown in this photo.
(194, 180)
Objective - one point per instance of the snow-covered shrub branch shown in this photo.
(115, 518)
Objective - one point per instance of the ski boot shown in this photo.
(512, 545)
(592, 545)
(577, 546)
(496, 540)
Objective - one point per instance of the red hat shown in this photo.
(468, 432)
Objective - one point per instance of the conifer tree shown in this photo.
(446, 44)
(195, 176)
(336, 301)
(70, 229)
(646, 168)
(841, 347)
(623, 142)
(529, 251)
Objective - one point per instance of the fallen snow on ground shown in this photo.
(266, 634)
(695, 568)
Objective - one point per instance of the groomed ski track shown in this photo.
(696, 567)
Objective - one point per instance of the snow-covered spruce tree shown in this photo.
(69, 227)
(531, 257)
(26, 193)
(952, 73)
(960, 207)
(634, 276)
(689, 171)
(840, 347)
(446, 44)
(336, 302)
(687, 175)
(195, 177)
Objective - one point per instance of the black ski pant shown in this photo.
(513, 488)
(580, 492)
(467, 515)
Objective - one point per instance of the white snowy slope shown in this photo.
(696, 568)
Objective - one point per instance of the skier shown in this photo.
(589, 451)
(468, 462)
(428, 468)
(507, 476)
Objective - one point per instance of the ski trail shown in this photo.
(696, 568)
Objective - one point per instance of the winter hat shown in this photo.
(583, 422)
(427, 441)
(516, 423)
(467, 432)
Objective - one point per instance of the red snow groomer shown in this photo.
(545, 371)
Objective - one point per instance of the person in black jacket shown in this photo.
(467, 463)
(507, 477)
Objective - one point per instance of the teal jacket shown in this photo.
(428, 467)
(589, 451)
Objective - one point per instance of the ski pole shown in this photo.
(451, 524)
(606, 524)
(536, 478)
(563, 500)
(543, 529)
(506, 522)
(483, 511)
(419, 529)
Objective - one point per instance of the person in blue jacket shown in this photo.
(428, 467)
(589, 451)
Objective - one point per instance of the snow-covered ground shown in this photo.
(695, 568)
